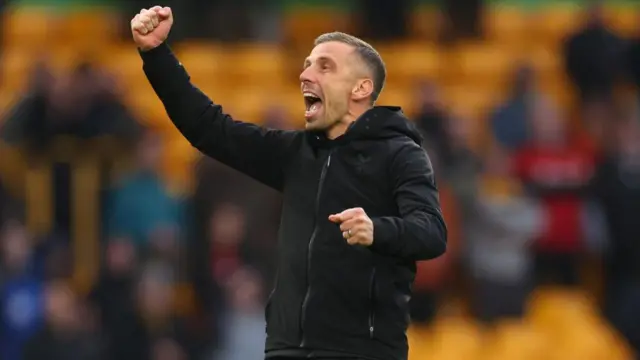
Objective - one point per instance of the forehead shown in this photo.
(333, 49)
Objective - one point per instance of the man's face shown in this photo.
(327, 83)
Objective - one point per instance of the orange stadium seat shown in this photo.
(203, 61)
(302, 26)
(16, 66)
(555, 23)
(623, 19)
(257, 64)
(402, 96)
(455, 338)
(505, 25)
(29, 28)
(412, 61)
(516, 340)
(484, 63)
(89, 30)
(425, 22)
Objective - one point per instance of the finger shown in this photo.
(346, 215)
(349, 224)
(139, 27)
(156, 8)
(335, 218)
(354, 240)
(165, 13)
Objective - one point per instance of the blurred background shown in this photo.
(118, 241)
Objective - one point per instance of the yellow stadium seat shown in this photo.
(589, 339)
(516, 340)
(471, 101)
(484, 63)
(29, 28)
(257, 63)
(412, 61)
(553, 24)
(204, 61)
(505, 25)
(16, 68)
(399, 96)
(88, 30)
(302, 26)
(623, 19)
(455, 338)
(545, 59)
(425, 22)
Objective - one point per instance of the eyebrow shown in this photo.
(307, 61)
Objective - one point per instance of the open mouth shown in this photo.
(313, 103)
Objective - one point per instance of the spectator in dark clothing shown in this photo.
(114, 300)
(432, 120)
(385, 20)
(617, 187)
(83, 104)
(633, 59)
(68, 334)
(594, 56)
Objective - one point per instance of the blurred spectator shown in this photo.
(226, 237)
(617, 187)
(83, 104)
(510, 121)
(432, 120)
(556, 170)
(594, 56)
(384, 20)
(68, 333)
(276, 118)
(140, 207)
(633, 57)
(114, 300)
(506, 223)
(22, 310)
(244, 321)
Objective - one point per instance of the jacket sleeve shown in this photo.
(253, 150)
(419, 233)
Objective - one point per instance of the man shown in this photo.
(360, 206)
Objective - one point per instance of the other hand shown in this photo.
(356, 226)
(151, 27)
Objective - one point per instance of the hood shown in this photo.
(378, 123)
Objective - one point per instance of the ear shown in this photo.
(363, 89)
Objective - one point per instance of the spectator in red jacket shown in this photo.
(556, 169)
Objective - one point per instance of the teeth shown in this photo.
(313, 108)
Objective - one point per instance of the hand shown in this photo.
(151, 27)
(356, 226)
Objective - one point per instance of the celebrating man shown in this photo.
(360, 205)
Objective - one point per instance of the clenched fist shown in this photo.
(356, 226)
(151, 27)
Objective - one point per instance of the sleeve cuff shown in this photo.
(384, 234)
(162, 49)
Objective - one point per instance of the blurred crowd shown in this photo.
(549, 197)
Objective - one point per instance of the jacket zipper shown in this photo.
(372, 303)
(323, 174)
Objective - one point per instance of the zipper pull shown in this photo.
(329, 160)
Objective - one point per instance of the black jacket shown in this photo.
(329, 296)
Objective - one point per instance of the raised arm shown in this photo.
(253, 150)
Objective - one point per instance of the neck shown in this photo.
(340, 127)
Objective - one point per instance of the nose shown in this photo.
(306, 76)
